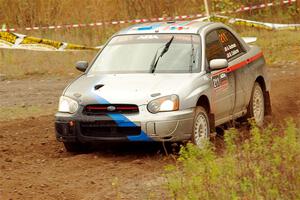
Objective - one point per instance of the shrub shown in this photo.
(264, 166)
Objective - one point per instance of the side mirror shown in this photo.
(216, 64)
(82, 65)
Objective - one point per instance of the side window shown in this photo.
(214, 49)
(231, 45)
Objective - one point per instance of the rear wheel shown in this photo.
(201, 127)
(75, 146)
(256, 108)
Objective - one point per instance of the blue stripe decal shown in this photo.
(142, 137)
(145, 28)
(123, 121)
(156, 26)
(148, 27)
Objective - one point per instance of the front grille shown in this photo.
(100, 109)
(107, 129)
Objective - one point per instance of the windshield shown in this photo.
(135, 54)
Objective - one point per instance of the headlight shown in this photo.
(167, 103)
(67, 105)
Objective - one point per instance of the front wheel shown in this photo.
(256, 108)
(201, 127)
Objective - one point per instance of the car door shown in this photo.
(236, 56)
(223, 82)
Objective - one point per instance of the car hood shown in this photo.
(136, 89)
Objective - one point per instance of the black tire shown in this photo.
(256, 108)
(75, 147)
(201, 127)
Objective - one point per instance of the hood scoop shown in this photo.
(98, 86)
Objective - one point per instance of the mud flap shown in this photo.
(268, 108)
(211, 118)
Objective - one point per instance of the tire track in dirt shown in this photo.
(34, 165)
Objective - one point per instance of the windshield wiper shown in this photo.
(192, 61)
(156, 59)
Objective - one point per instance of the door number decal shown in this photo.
(220, 81)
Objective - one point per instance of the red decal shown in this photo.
(239, 65)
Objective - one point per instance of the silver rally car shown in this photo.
(168, 81)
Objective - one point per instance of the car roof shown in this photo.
(191, 27)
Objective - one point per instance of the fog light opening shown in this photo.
(71, 123)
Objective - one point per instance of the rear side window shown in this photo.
(214, 49)
(230, 43)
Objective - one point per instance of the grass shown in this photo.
(265, 165)
(22, 112)
(279, 47)
(19, 64)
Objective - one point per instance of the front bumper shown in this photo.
(144, 126)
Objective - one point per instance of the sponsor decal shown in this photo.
(220, 78)
(220, 81)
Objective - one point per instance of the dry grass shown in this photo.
(17, 64)
(39, 12)
(20, 13)
(22, 112)
(279, 47)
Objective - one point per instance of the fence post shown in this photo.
(207, 9)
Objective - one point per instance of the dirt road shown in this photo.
(34, 166)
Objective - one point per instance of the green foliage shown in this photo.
(224, 5)
(264, 166)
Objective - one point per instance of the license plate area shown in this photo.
(108, 129)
